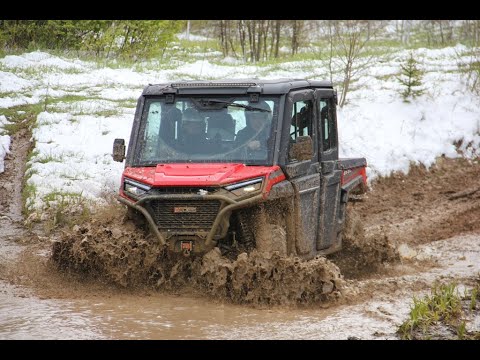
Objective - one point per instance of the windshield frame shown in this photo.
(140, 128)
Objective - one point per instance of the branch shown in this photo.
(462, 194)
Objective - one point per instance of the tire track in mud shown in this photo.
(11, 184)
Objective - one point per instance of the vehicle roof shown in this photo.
(237, 86)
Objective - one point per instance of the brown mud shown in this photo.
(11, 184)
(425, 205)
(402, 211)
(116, 252)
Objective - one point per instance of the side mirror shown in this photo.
(301, 149)
(118, 150)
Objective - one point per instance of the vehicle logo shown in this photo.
(184, 209)
(202, 192)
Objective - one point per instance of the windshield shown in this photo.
(207, 129)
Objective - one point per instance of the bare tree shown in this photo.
(278, 25)
(471, 67)
(405, 32)
(223, 36)
(255, 39)
(297, 32)
(347, 40)
(187, 36)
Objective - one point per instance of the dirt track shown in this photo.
(425, 205)
(420, 215)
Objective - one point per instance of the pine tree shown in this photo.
(411, 79)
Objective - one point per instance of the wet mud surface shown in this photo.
(118, 253)
(104, 279)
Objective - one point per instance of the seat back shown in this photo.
(170, 119)
(221, 126)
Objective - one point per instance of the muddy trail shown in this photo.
(401, 212)
(407, 233)
(11, 182)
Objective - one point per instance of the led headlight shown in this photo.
(245, 187)
(135, 188)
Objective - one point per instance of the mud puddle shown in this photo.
(112, 251)
(92, 310)
(25, 316)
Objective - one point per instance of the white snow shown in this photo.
(4, 143)
(87, 107)
(10, 82)
(191, 37)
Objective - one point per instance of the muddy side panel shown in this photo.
(329, 207)
(307, 192)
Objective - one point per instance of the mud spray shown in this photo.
(363, 254)
(112, 249)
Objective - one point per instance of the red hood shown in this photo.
(196, 174)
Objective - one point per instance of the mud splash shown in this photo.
(116, 251)
(363, 254)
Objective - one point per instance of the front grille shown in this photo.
(203, 216)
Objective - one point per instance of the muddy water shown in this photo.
(164, 317)
(383, 304)
(24, 316)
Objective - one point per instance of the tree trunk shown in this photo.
(277, 37)
(242, 37)
(294, 37)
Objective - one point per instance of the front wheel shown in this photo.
(270, 232)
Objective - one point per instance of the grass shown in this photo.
(107, 112)
(24, 120)
(64, 209)
(444, 308)
(82, 176)
(50, 158)
(69, 98)
(127, 103)
(8, 94)
(28, 196)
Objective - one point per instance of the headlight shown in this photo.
(135, 188)
(245, 187)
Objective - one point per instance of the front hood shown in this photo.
(196, 174)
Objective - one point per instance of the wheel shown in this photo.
(135, 217)
(270, 232)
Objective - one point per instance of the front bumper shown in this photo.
(205, 239)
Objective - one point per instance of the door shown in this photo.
(303, 174)
(330, 176)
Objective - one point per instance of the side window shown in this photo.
(301, 124)
(327, 124)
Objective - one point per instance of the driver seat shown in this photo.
(221, 126)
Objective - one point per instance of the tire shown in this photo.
(270, 232)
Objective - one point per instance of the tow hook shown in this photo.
(186, 247)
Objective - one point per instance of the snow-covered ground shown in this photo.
(85, 107)
(4, 142)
